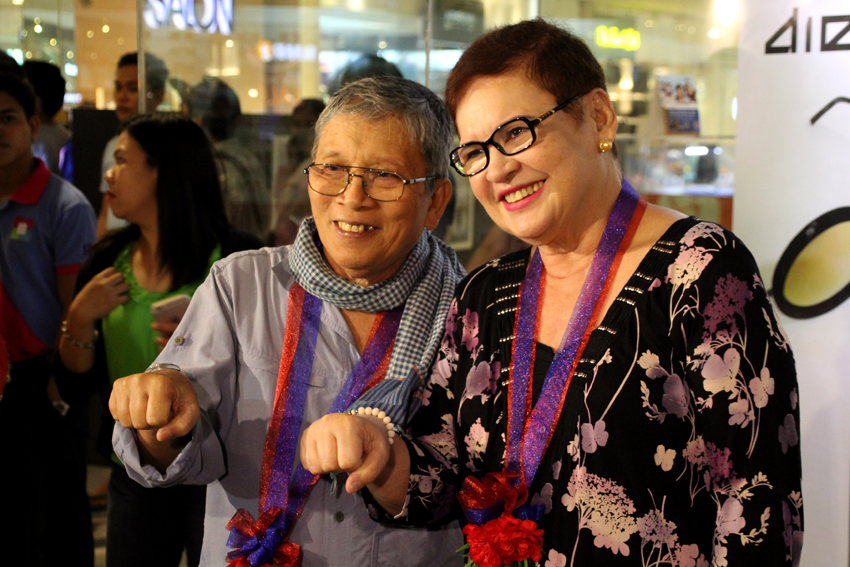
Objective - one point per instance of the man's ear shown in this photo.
(440, 198)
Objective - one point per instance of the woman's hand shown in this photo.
(341, 442)
(106, 291)
(358, 445)
(166, 330)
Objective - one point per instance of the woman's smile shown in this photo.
(512, 196)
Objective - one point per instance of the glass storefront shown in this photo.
(274, 55)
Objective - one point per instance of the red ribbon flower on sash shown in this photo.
(258, 545)
(503, 529)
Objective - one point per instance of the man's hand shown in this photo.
(162, 406)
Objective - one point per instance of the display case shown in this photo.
(692, 174)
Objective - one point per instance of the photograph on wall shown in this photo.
(679, 100)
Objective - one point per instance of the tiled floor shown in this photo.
(96, 476)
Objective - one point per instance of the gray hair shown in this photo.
(424, 115)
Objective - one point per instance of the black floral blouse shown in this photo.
(678, 441)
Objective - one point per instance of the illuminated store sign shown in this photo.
(280, 51)
(202, 16)
(615, 38)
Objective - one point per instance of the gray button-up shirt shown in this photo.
(229, 344)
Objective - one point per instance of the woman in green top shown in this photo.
(164, 183)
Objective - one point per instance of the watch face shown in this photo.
(813, 274)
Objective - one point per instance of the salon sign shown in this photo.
(202, 16)
(792, 208)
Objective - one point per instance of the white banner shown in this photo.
(792, 209)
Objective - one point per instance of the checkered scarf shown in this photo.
(425, 282)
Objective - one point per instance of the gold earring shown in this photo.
(605, 145)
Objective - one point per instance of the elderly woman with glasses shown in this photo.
(350, 316)
(621, 393)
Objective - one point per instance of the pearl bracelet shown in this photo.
(382, 415)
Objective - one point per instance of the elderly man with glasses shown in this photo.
(349, 317)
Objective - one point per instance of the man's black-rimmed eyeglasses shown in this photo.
(511, 138)
(331, 180)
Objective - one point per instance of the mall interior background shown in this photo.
(275, 53)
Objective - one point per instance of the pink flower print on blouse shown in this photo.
(603, 507)
(665, 458)
(721, 373)
(544, 497)
(470, 330)
(451, 319)
(478, 380)
(443, 441)
(650, 362)
(593, 436)
(731, 295)
(556, 470)
(695, 452)
(788, 433)
(719, 463)
(793, 533)
(689, 556)
(676, 398)
(762, 388)
(481, 382)
(556, 559)
(740, 412)
(476, 442)
(654, 528)
(688, 266)
(703, 230)
(729, 519)
(445, 365)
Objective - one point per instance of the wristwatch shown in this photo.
(163, 366)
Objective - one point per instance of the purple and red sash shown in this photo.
(282, 492)
(530, 429)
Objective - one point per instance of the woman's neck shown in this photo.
(570, 252)
(146, 263)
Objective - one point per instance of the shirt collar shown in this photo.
(30, 190)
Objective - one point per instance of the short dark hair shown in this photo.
(554, 58)
(190, 207)
(8, 64)
(368, 65)
(217, 106)
(307, 112)
(156, 72)
(49, 85)
(17, 87)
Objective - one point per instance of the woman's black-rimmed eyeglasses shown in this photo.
(331, 180)
(511, 138)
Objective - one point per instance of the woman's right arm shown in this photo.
(359, 446)
(414, 481)
(106, 291)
